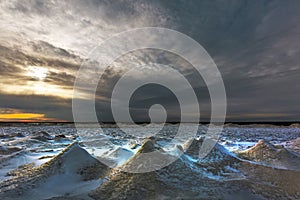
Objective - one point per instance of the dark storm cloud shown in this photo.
(8, 111)
(150, 94)
(9, 58)
(60, 78)
(256, 53)
(52, 107)
(8, 70)
(39, 54)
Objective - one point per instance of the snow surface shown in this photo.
(40, 144)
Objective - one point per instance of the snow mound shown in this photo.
(158, 184)
(73, 166)
(73, 159)
(119, 156)
(149, 157)
(218, 164)
(272, 155)
(8, 150)
(295, 125)
(216, 155)
(180, 179)
(42, 136)
(293, 145)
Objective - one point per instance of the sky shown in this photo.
(255, 45)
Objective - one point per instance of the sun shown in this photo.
(36, 72)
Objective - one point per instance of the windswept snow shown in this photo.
(52, 162)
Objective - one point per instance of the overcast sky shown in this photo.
(255, 45)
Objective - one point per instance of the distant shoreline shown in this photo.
(277, 123)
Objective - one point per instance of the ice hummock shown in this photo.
(73, 171)
(180, 179)
(272, 155)
(293, 145)
(219, 175)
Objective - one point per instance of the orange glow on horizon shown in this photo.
(21, 116)
(26, 117)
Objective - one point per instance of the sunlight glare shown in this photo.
(35, 72)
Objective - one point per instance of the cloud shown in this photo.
(257, 54)
(51, 107)
(77, 25)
